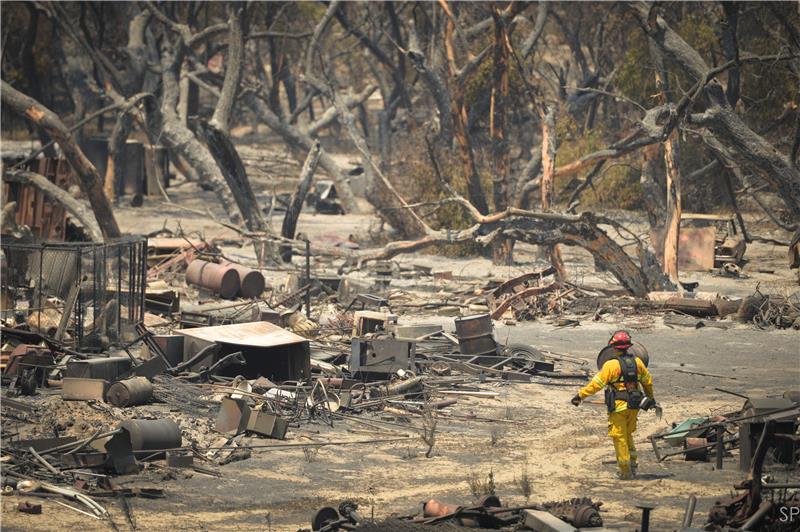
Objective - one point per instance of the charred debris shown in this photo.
(169, 356)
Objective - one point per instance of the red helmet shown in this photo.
(621, 340)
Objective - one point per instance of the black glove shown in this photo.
(647, 403)
(576, 400)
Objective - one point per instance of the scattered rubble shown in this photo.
(158, 373)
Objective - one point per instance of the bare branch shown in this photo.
(73, 206)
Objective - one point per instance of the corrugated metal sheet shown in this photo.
(47, 219)
(254, 334)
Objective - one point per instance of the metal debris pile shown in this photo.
(488, 513)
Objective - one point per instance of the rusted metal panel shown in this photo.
(267, 424)
(381, 355)
(254, 334)
(74, 389)
(233, 416)
(545, 522)
(273, 352)
(109, 369)
(47, 219)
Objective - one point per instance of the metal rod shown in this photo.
(119, 291)
(758, 516)
(76, 509)
(688, 515)
(44, 462)
(646, 519)
(308, 278)
(720, 445)
(41, 276)
(732, 393)
(694, 448)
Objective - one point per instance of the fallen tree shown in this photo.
(544, 229)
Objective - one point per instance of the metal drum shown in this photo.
(153, 434)
(130, 392)
(637, 350)
(475, 335)
(251, 282)
(222, 279)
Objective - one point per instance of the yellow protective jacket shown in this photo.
(611, 374)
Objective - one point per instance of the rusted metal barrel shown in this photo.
(130, 392)
(401, 387)
(434, 508)
(224, 280)
(251, 282)
(696, 450)
(152, 434)
(475, 335)
(637, 350)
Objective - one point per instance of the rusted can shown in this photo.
(223, 279)
(153, 434)
(130, 392)
(251, 282)
(475, 335)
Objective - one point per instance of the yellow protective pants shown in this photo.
(621, 426)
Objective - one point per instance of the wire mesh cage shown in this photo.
(84, 294)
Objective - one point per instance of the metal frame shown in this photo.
(115, 270)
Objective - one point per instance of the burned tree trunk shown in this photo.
(653, 186)
(672, 225)
(458, 109)
(543, 229)
(89, 179)
(216, 131)
(74, 207)
(502, 251)
(548, 172)
(673, 222)
(180, 140)
(116, 143)
(296, 204)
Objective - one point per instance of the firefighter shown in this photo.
(621, 377)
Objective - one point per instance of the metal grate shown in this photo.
(85, 294)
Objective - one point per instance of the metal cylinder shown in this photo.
(400, 387)
(434, 508)
(251, 282)
(222, 279)
(755, 519)
(696, 449)
(152, 434)
(475, 335)
(637, 350)
(688, 515)
(130, 392)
